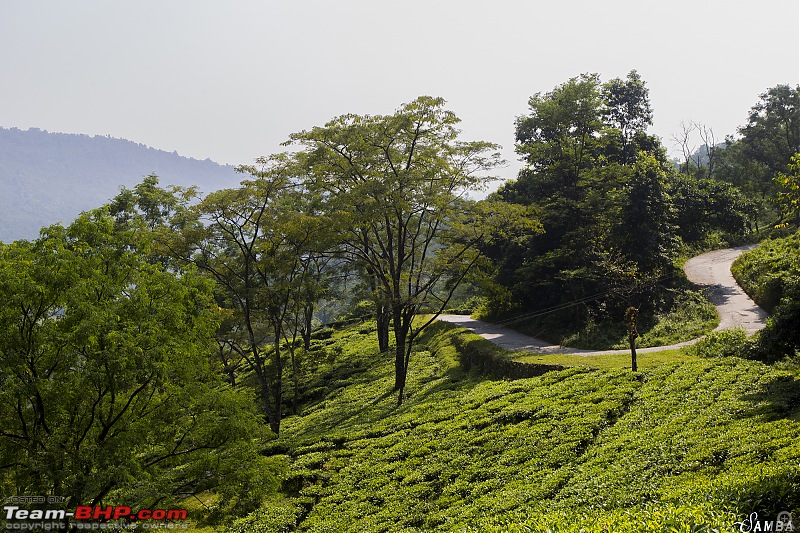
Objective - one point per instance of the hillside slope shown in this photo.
(682, 447)
(766, 272)
(51, 177)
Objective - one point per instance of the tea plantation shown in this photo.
(694, 445)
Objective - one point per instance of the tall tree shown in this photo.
(646, 229)
(772, 133)
(789, 190)
(394, 183)
(627, 109)
(249, 242)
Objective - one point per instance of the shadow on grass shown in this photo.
(775, 399)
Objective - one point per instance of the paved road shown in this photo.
(711, 270)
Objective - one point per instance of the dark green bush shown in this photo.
(781, 337)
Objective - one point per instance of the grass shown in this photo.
(687, 444)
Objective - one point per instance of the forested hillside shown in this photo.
(51, 177)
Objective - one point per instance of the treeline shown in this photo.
(133, 342)
(617, 214)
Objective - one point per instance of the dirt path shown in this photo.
(711, 270)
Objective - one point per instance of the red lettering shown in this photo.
(83, 512)
(176, 514)
(144, 514)
(159, 514)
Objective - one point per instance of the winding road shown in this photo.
(711, 271)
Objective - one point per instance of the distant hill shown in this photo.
(47, 178)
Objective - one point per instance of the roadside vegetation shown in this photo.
(771, 276)
(771, 271)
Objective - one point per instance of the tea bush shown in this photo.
(683, 447)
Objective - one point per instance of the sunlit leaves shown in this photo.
(105, 387)
(789, 188)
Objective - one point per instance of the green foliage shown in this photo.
(106, 391)
(703, 206)
(646, 229)
(615, 361)
(279, 517)
(684, 314)
(726, 343)
(772, 133)
(781, 337)
(393, 187)
(789, 189)
(770, 274)
(763, 152)
(689, 316)
(615, 213)
(599, 185)
(261, 244)
(766, 272)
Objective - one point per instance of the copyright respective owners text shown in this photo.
(52, 513)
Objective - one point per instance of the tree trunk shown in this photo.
(295, 378)
(631, 315)
(399, 361)
(400, 333)
(275, 419)
(382, 319)
(266, 397)
(308, 317)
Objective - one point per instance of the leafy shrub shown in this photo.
(726, 343)
(469, 306)
(278, 517)
(770, 274)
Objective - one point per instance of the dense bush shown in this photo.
(781, 337)
(766, 272)
(770, 274)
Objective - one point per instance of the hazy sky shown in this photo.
(231, 79)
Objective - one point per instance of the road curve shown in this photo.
(711, 271)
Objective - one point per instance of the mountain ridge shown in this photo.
(48, 178)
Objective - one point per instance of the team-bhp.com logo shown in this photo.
(120, 512)
(92, 517)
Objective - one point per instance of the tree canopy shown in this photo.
(394, 186)
(105, 381)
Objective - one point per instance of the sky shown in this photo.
(230, 80)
